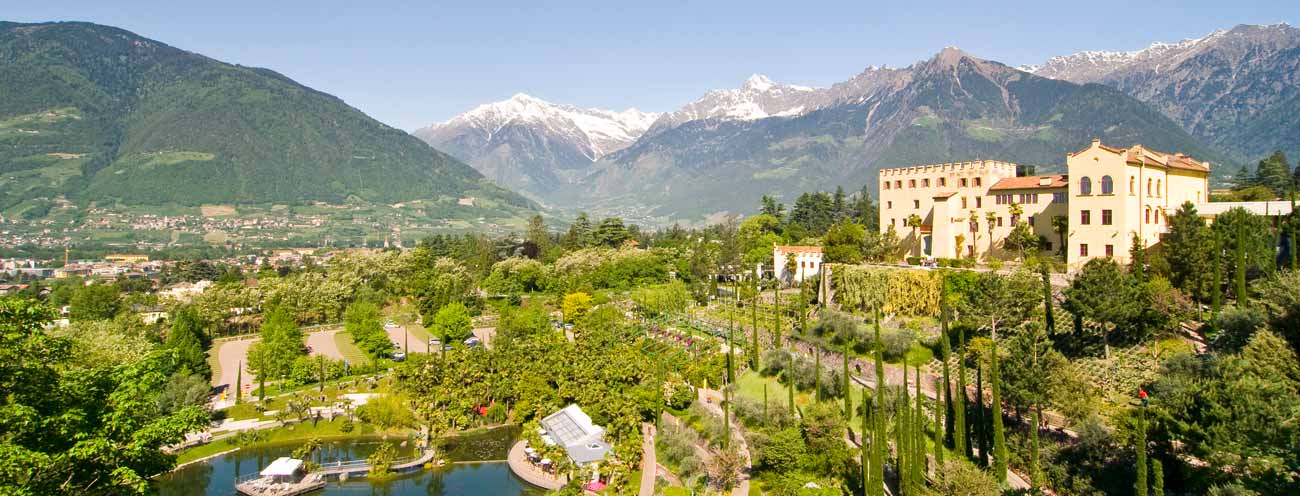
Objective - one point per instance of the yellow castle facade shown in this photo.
(1108, 197)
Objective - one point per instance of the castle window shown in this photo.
(911, 183)
(1083, 249)
(886, 184)
(1159, 189)
(943, 181)
(1107, 187)
(1106, 217)
(963, 202)
(963, 182)
(1110, 251)
(925, 183)
(1147, 216)
(1085, 186)
(889, 204)
(978, 181)
(898, 184)
(1132, 189)
(979, 202)
(916, 203)
(1148, 187)
(1085, 217)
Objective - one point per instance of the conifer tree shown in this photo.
(981, 423)
(878, 440)
(1035, 471)
(753, 308)
(1157, 477)
(239, 381)
(918, 435)
(940, 414)
(868, 446)
(945, 353)
(961, 433)
(789, 374)
(999, 437)
(817, 375)
(1216, 288)
(1239, 259)
(902, 436)
(848, 398)
(1140, 446)
(1049, 313)
(776, 314)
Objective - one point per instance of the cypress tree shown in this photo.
(1291, 223)
(803, 307)
(817, 375)
(789, 374)
(1239, 258)
(939, 428)
(1035, 472)
(961, 433)
(239, 381)
(1048, 312)
(999, 437)
(1157, 477)
(766, 418)
(981, 426)
(848, 398)
(945, 353)
(1140, 445)
(731, 343)
(753, 308)
(776, 311)
(902, 436)
(918, 443)
(1216, 296)
(867, 446)
(877, 444)
(726, 417)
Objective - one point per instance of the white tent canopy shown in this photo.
(282, 466)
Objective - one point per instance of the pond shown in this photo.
(478, 468)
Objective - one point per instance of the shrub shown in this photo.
(1234, 326)
(386, 411)
(914, 260)
(896, 342)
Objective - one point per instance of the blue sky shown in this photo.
(410, 65)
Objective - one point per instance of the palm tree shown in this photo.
(1061, 224)
(1016, 211)
(914, 222)
(992, 218)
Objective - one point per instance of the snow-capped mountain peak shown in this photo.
(758, 97)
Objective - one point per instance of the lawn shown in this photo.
(350, 352)
(294, 432)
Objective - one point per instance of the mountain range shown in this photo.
(99, 114)
(1225, 97)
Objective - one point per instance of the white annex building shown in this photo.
(807, 262)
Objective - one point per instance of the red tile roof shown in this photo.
(1031, 182)
(799, 249)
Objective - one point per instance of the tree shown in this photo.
(864, 210)
(991, 219)
(75, 429)
(1021, 239)
(362, 321)
(1140, 447)
(95, 302)
(579, 235)
(914, 221)
(1275, 173)
(1189, 249)
(843, 243)
(1103, 293)
(452, 323)
(610, 232)
(184, 340)
(538, 235)
(1279, 297)
(575, 306)
(999, 436)
(1061, 224)
(772, 208)
(281, 344)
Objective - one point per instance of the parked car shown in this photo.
(471, 342)
(434, 343)
(398, 356)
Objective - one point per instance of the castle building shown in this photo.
(1107, 197)
(807, 262)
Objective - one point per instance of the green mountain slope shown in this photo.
(953, 107)
(98, 113)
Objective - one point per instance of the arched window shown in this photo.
(1085, 186)
(1132, 186)
(1148, 186)
(1159, 189)
(1146, 219)
(1107, 187)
